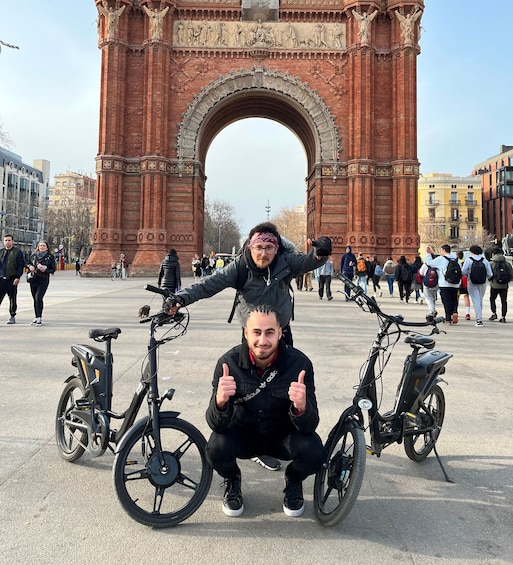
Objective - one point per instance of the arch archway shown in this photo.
(348, 93)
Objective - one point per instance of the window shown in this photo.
(455, 232)
(454, 197)
(431, 198)
(455, 214)
(431, 213)
(470, 215)
(470, 198)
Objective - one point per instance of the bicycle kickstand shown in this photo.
(447, 478)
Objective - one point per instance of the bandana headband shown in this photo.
(263, 237)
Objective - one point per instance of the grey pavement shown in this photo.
(56, 512)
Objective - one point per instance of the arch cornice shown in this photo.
(324, 142)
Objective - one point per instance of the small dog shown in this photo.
(144, 311)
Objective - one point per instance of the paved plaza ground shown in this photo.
(56, 512)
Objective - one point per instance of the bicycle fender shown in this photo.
(140, 425)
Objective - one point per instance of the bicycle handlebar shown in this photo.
(163, 291)
(359, 296)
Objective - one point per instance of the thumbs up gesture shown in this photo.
(297, 393)
(226, 387)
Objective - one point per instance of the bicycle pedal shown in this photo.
(370, 451)
(131, 462)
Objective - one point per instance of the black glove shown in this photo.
(172, 302)
(323, 246)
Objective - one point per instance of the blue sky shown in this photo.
(49, 100)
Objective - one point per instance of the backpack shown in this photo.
(430, 278)
(406, 273)
(378, 271)
(453, 271)
(478, 271)
(501, 273)
(361, 266)
(419, 279)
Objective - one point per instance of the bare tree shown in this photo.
(432, 233)
(291, 224)
(222, 231)
(5, 140)
(479, 236)
(71, 226)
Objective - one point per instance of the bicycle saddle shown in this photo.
(420, 340)
(108, 333)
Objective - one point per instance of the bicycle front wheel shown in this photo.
(338, 483)
(419, 446)
(71, 441)
(158, 495)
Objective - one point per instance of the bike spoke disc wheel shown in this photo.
(162, 495)
(338, 483)
(419, 446)
(71, 441)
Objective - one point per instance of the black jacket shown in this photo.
(169, 274)
(48, 259)
(270, 411)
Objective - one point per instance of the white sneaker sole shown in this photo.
(233, 513)
(293, 513)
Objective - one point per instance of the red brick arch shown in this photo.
(168, 88)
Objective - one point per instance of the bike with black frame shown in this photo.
(161, 474)
(415, 420)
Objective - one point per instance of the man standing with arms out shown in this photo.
(448, 291)
(11, 270)
(263, 402)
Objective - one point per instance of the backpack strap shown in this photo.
(242, 277)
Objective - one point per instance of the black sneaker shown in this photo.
(493, 317)
(233, 504)
(293, 502)
(267, 462)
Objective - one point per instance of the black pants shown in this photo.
(7, 287)
(449, 296)
(325, 281)
(38, 288)
(305, 451)
(404, 289)
(503, 294)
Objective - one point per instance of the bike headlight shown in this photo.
(365, 404)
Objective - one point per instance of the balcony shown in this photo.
(432, 202)
(470, 202)
(472, 221)
(454, 202)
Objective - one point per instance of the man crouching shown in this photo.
(263, 403)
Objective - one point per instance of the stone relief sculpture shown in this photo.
(111, 16)
(219, 34)
(157, 19)
(408, 25)
(364, 21)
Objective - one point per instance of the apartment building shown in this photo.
(449, 208)
(23, 199)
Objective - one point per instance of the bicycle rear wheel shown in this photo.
(71, 442)
(418, 447)
(150, 496)
(338, 483)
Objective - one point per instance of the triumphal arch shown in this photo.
(341, 74)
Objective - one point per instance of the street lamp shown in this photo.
(219, 238)
(268, 209)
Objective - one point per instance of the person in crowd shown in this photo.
(389, 272)
(41, 266)
(77, 267)
(347, 267)
(429, 290)
(307, 281)
(416, 285)
(362, 271)
(403, 275)
(502, 273)
(477, 288)
(324, 276)
(169, 272)
(204, 265)
(278, 419)
(464, 287)
(376, 272)
(448, 291)
(196, 267)
(12, 265)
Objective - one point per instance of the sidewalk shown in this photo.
(59, 513)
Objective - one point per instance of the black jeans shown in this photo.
(305, 450)
(503, 294)
(38, 288)
(7, 287)
(449, 296)
(325, 281)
